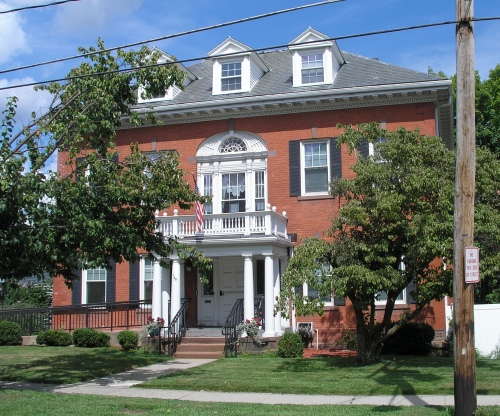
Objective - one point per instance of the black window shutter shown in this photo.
(294, 166)
(412, 287)
(76, 291)
(111, 283)
(335, 160)
(134, 281)
(364, 148)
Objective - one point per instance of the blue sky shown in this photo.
(49, 33)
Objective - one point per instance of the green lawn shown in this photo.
(332, 375)
(29, 403)
(62, 365)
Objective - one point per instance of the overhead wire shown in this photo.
(182, 61)
(176, 35)
(38, 6)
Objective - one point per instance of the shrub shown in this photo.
(413, 338)
(90, 338)
(128, 340)
(290, 345)
(54, 338)
(10, 333)
(28, 295)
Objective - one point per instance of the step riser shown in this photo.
(202, 340)
(200, 347)
(198, 355)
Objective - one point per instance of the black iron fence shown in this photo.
(111, 315)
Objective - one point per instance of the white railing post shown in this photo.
(268, 220)
(247, 221)
(175, 224)
(274, 227)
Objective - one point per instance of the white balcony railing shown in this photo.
(239, 223)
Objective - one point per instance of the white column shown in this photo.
(175, 294)
(248, 298)
(277, 289)
(269, 297)
(285, 323)
(156, 301)
(165, 293)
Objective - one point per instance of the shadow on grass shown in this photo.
(64, 365)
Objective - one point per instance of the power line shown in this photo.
(379, 32)
(20, 9)
(188, 32)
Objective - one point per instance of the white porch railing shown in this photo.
(239, 223)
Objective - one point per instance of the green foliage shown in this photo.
(90, 338)
(102, 206)
(412, 338)
(395, 219)
(54, 338)
(10, 333)
(128, 340)
(14, 295)
(290, 345)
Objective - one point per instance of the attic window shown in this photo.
(312, 68)
(233, 145)
(231, 76)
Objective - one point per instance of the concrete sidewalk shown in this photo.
(120, 385)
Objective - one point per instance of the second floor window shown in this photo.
(231, 76)
(315, 156)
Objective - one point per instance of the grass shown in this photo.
(329, 375)
(63, 365)
(29, 403)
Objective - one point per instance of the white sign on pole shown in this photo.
(471, 265)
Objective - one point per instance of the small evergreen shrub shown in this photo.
(90, 338)
(290, 345)
(128, 340)
(413, 338)
(54, 338)
(10, 333)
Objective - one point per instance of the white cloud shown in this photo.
(13, 37)
(92, 15)
(29, 100)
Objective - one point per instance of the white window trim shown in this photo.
(142, 277)
(397, 302)
(84, 286)
(327, 66)
(217, 75)
(303, 167)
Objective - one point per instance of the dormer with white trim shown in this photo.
(236, 68)
(173, 90)
(316, 58)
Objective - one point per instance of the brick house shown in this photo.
(258, 132)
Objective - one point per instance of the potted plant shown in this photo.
(153, 326)
(249, 328)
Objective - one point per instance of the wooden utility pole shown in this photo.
(463, 293)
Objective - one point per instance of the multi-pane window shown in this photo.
(96, 285)
(260, 191)
(208, 191)
(374, 150)
(233, 192)
(313, 293)
(231, 76)
(312, 68)
(315, 167)
(147, 289)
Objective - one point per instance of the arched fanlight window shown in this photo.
(233, 145)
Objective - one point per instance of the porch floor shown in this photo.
(204, 331)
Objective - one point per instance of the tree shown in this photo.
(396, 219)
(99, 209)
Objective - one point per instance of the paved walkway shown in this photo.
(120, 385)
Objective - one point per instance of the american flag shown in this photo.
(199, 212)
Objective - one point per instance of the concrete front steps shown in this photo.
(200, 347)
(201, 342)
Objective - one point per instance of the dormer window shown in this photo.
(238, 72)
(316, 59)
(231, 76)
(312, 68)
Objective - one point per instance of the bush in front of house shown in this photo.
(128, 340)
(290, 345)
(54, 338)
(413, 338)
(10, 333)
(90, 338)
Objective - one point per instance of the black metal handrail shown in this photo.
(110, 315)
(229, 330)
(176, 329)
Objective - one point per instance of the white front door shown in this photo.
(207, 302)
(231, 286)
